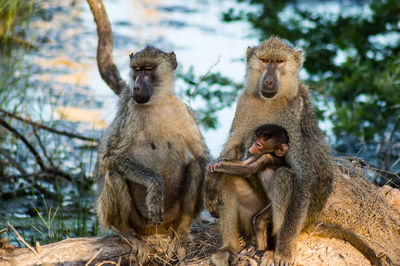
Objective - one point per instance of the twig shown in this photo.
(42, 146)
(23, 241)
(41, 126)
(3, 231)
(38, 158)
(11, 160)
(203, 78)
(25, 141)
(121, 236)
(93, 257)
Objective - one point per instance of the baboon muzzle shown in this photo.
(142, 91)
(269, 82)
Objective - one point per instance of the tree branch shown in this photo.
(41, 126)
(108, 71)
(11, 160)
(38, 159)
(25, 141)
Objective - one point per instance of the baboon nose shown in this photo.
(136, 88)
(268, 83)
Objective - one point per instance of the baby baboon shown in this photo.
(273, 94)
(270, 144)
(149, 182)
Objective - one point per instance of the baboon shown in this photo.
(273, 94)
(270, 144)
(149, 180)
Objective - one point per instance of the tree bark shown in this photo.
(108, 71)
(73, 251)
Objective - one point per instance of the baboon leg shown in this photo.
(260, 221)
(212, 181)
(293, 222)
(192, 202)
(229, 228)
(115, 210)
(114, 202)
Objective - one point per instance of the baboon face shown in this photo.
(269, 81)
(269, 63)
(150, 67)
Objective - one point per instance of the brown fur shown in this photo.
(145, 171)
(308, 155)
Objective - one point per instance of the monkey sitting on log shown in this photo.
(149, 180)
(270, 144)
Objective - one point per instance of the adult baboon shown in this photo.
(149, 180)
(274, 95)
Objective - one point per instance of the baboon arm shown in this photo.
(250, 167)
(136, 172)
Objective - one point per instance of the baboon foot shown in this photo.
(179, 244)
(271, 258)
(140, 249)
(222, 257)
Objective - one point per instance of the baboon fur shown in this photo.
(150, 168)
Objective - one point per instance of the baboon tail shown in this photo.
(337, 231)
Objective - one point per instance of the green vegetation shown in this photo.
(45, 177)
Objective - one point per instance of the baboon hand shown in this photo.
(155, 205)
(211, 167)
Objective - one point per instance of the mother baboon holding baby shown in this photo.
(355, 211)
(273, 94)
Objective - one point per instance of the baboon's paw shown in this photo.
(140, 249)
(267, 258)
(221, 258)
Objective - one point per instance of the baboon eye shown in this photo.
(138, 69)
(149, 68)
(266, 60)
(279, 61)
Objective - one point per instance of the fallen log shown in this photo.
(355, 200)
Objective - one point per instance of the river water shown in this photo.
(192, 29)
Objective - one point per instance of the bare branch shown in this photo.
(108, 71)
(25, 141)
(11, 160)
(39, 161)
(41, 126)
(42, 146)
(23, 240)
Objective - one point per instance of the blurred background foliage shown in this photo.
(352, 64)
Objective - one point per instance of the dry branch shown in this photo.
(108, 71)
(44, 169)
(41, 126)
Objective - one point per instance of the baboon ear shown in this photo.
(130, 56)
(172, 59)
(298, 56)
(281, 150)
(249, 53)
